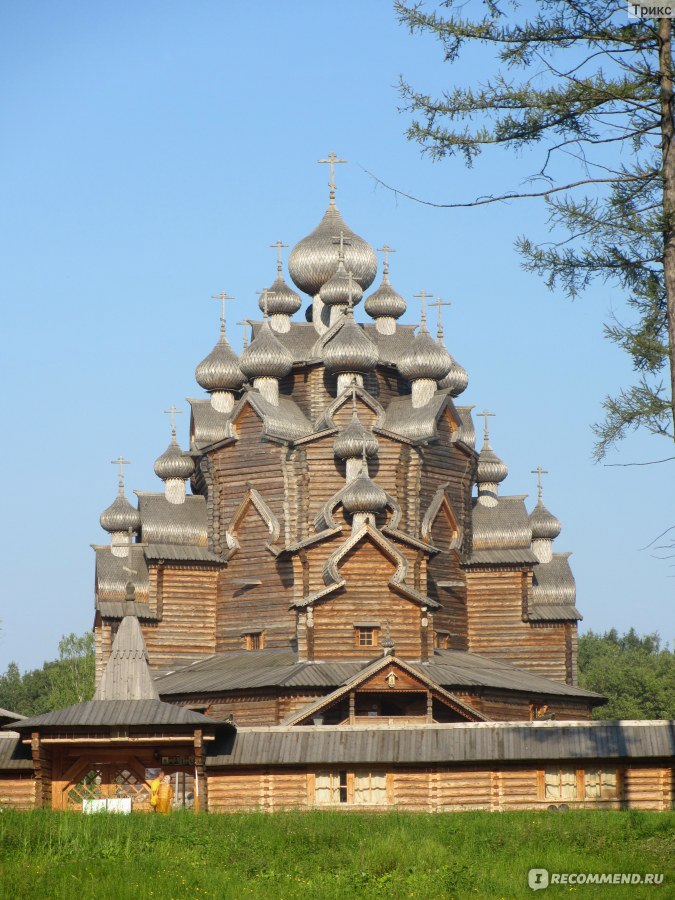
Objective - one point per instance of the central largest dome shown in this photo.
(314, 259)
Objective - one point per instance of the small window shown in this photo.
(330, 788)
(539, 711)
(366, 635)
(601, 785)
(370, 788)
(560, 784)
(254, 640)
(442, 641)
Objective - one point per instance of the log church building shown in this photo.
(332, 600)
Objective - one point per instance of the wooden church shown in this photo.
(346, 584)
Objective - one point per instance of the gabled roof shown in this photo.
(364, 675)
(6, 715)
(112, 576)
(173, 523)
(13, 754)
(208, 425)
(418, 423)
(285, 421)
(113, 713)
(553, 590)
(507, 524)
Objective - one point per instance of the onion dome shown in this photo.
(314, 259)
(340, 289)
(545, 526)
(350, 443)
(173, 463)
(120, 515)
(362, 495)
(220, 371)
(491, 469)
(385, 301)
(457, 379)
(425, 358)
(351, 350)
(281, 299)
(266, 356)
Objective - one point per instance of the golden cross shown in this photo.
(386, 249)
(120, 461)
(279, 247)
(423, 297)
(539, 472)
(439, 303)
(244, 323)
(332, 161)
(223, 296)
(485, 415)
(172, 411)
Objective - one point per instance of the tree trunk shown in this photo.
(668, 155)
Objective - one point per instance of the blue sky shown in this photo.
(151, 153)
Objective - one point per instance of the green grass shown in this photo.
(326, 855)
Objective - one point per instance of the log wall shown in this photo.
(17, 790)
(431, 789)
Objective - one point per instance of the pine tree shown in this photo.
(593, 89)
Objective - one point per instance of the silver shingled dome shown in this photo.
(339, 288)
(362, 495)
(351, 350)
(491, 469)
(457, 379)
(281, 299)
(220, 371)
(350, 443)
(173, 463)
(314, 259)
(425, 358)
(266, 356)
(120, 516)
(385, 301)
(544, 524)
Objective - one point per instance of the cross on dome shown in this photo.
(332, 161)
(342, 242)
(243, 324)
(173, 412)
(223, 296)
(130, 543)
(423, 297)
(279, 246)
(120, 461)
(485, 414)
(439, 303)
(386, 250)
(539, 472)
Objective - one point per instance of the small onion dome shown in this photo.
(340, 290)
(362, 495)
(173, 463)
(491, 469)
(120, 516)
(281, 299)
(544, 524)
(351, 350)
(350, 443)
(385, 301)
(265, 356)
(220, 371)
(425, 358)
(314, 259)
(457, 379)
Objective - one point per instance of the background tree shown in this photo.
(596, 96)
(635, 673)
(62, 682)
